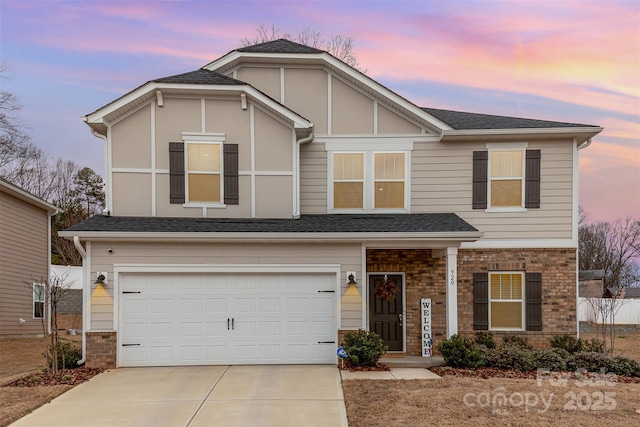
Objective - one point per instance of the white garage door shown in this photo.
(208, 319)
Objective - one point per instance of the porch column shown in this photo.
(452, 291)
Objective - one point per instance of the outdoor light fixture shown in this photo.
(101, 279)
(352, 285)
(352, 279)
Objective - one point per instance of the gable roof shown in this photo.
(355, 226)
(466, 121)
(279, 46)
(201, 77)
(24, 195)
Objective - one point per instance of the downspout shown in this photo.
(585, 144)
(309, 138)
(50, 214)
(85, 284)
(580, 147)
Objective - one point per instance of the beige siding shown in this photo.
(131, 194)
(306, 93)
(274, 196)
(176, 116)
(351, 111)
(274, 144)
(265, 79)
(392, 123)
(23, 259)
(348, 256)
(313, 179)
(131, 141)
(442, 182)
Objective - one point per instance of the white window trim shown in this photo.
(33, 301)
(368, 187)
(522, 301)
(203, 138)
(513, 146)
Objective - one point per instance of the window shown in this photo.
(506, 178)
(38, 301)
(505, 303)
(204, 171)
(389, 180)
(348, 180)
(368, 181)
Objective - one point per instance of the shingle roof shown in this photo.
(279, 46)
(202, 77)
(468, 121)
(379, 223)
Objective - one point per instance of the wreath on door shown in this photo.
(386, 289)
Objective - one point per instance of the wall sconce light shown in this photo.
(101, 278)
(352, 285)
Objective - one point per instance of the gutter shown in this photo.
(309, 138)
(585, 144)
(85, 284)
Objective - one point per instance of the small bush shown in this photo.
(553, 359)
(589, 361)
(485, 339)
(621, 365)
(512, 357)
(594, 345)
(515, 341)
(364, 348)
(68, 356)
(568, 343)
(461, 352)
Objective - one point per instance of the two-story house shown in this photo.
(261, 206)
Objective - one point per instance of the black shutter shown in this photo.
(480, 164)
(231, 181)
(481, 301)
(532, 179)
(533, 295)
(176, 172)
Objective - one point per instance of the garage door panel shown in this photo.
(183, 319)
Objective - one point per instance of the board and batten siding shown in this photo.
(24, 239)
(347, 256)
(441, 182)
(140, 186)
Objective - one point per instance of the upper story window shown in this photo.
(38, 301)
(506, 188)
(367, 181)
(204, 171)
(506, 177)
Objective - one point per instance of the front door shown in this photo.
(385, 309)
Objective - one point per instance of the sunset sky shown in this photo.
(572, 61)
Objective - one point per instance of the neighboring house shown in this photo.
(242, 197)
(70, 305)
(25, 254)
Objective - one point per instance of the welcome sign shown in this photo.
(427, 339)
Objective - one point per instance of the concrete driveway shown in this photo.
(200, 396)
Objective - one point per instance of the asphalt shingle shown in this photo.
(279, 46)
(202, 77)
(469, 121)
(382, 223)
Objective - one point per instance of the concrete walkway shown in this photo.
(200, 396)
(392, 374)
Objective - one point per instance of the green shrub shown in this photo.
(593, 345)
(515, 341)
(485, 339)
(461, 352)
(621, 365)
(568, 343)
(589, 361)
(68, 356)
(553, 359)
(364, 348)
(512, 357)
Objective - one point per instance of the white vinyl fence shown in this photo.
(628, 311)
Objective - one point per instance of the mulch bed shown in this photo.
(486, 373)
(63, 377)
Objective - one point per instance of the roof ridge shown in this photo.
(281, 45)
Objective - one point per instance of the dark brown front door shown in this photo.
(385, 309)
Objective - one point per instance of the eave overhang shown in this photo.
(581, 134)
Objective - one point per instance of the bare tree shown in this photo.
(52, 291)
(342, 47)
(613, 248)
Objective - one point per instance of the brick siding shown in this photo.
(425, 278)
(101, 350)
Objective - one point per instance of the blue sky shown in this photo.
(573, 61)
